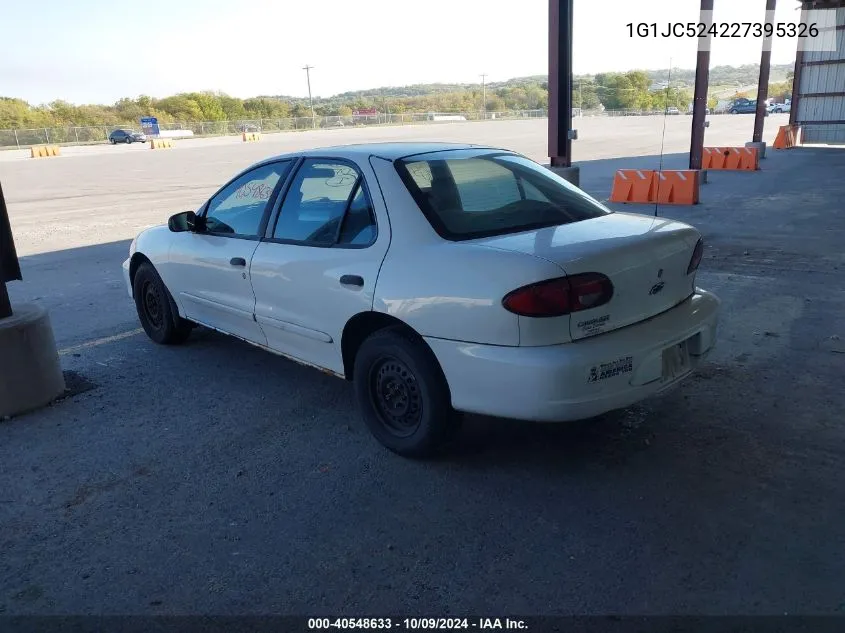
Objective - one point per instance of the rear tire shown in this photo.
(402, 393)
(156, 308)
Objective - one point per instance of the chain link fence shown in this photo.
(99, 134)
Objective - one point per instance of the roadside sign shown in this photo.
(149, 124)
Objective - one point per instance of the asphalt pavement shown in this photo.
(215, 478)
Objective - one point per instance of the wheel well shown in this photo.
(134, 264)
(361, 326)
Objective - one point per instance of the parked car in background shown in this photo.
(127, 136)
(743, 106)
(781, 107)
(672, 110)
(438, 278)
(250, 128)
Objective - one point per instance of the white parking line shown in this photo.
(100, 341)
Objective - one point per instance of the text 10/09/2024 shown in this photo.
(722, 29)
(413, 624)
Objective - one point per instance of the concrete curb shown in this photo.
(30, 372)
(760, 147)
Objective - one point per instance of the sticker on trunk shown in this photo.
(594, 326)
(612, 369)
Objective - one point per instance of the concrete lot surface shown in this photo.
(216, 478)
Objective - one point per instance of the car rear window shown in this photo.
(467, 194)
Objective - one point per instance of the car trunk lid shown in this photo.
(645, 258)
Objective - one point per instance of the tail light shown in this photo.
(696, 257)
(561, 296)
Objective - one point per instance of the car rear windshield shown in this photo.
(467, 194)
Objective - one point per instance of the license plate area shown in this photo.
(676, 361)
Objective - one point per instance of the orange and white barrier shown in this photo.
(731, 158)
(678, 186)
(43, 151)
(644, 186)
(788, 136)
(633, 185)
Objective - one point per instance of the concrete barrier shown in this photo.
(30, 373)
(43, 151)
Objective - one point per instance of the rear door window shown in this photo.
(327, 205)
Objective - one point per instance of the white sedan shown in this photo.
(440, 278)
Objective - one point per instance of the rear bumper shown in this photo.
(566, 382)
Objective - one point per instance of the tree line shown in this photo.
(633, 90)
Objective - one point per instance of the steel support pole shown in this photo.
(9, 265)
(796, 76)
(560, 82)
(763, 80)
(702, 81)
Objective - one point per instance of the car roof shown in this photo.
(388, 151)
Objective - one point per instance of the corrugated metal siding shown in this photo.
(830, 134)
(818, 56)
(824, 78)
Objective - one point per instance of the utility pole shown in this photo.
(386, 108)
(580, 98)
(484, 92)
(307, 70)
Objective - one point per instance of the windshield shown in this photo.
(467, 194)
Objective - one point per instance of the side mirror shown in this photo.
(181, 222)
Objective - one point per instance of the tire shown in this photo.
(734, 112)
(128, 140)
(403, 395)
(156, 308)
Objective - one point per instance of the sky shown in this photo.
(97, 51)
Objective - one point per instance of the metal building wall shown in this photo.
(820, 107)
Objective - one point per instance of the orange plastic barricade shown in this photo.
(633, 185)
(730, 158)
(42, 151)
(678, 186)
(645, 186)
(783, 140)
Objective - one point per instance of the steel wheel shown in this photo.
(396, 397)
(153, 308)
(156, 310)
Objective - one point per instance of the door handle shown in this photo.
(352, 280)
(237, 261)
